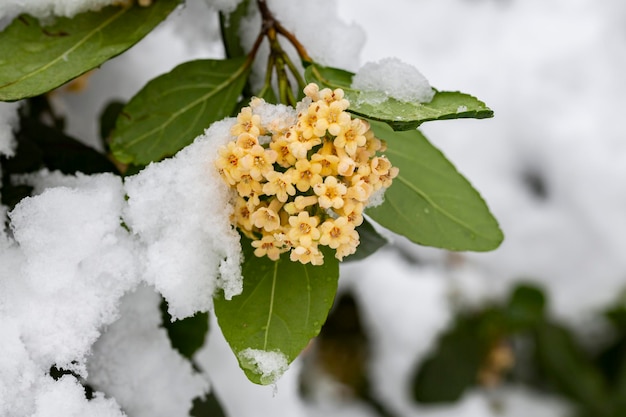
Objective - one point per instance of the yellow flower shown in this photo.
(246, 141)
(346, 165)
(247, 186)
(338, 119)
(336, 232)
(349, 139)
(306, 174)
(247, 123)
(330, 193)
(229, 162)
(259, 162)
(307, 254)
(353, 210)
(304, 229)
(360, 189)
(299, 144)
(312, 91)
(284, 157)
(312, 122)
(380, 165)
(268, 246)
(328, 162)
(267, 218)
(348, 248)
(241, 214)
(279, 184)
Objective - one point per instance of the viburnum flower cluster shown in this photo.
(303, 181)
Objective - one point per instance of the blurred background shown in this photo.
(536, 328)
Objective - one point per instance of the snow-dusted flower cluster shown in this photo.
(303, 181)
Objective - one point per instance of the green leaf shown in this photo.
(37, 58)
(187, 335)
(107, 119)
(398, 114)
(453, 367)
(174, 108)
(430, 202)
(283, 306)
(570, 370)
(209, 406)
(526, 307)
(370, 239)
(229, 26)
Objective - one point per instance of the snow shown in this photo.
(47, 8)
(8, 124)
(178, 208)
(134, 363)
(391, 78)
(270, 365)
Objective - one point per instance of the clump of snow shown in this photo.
(277, 117)
(74, 260)
(134, 362)
(269, 365)
(179, 210)
(8, 123)
(46, 8)
(390, 77)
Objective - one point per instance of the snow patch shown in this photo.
(390, 77)
(269, 365)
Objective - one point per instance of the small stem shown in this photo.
(294, 71)
(294, 41)
(267, 84)
(255, 47)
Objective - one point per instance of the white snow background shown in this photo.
(552, 70)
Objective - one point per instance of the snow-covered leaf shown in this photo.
(37, 58)
(399, 114)
(430, 202)
(174, 108)
(283, 306)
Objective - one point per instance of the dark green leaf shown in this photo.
(454, 365)
(570, 370)
(108, 117)
(430, 202)
(370, 239)
(229, 25)
(208, 406)
(400, 115)
(61, 152)
(35, 58)
(526, 307)
(283, 306)
(174, 108)
(186, 335)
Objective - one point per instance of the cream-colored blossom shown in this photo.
(307, 255)
(247, 123)
(279, 184)
(352, 137)
(259, 162)
(336, 232)
(304, 229)
(330, 193)
(306, 174)
(268, 246)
